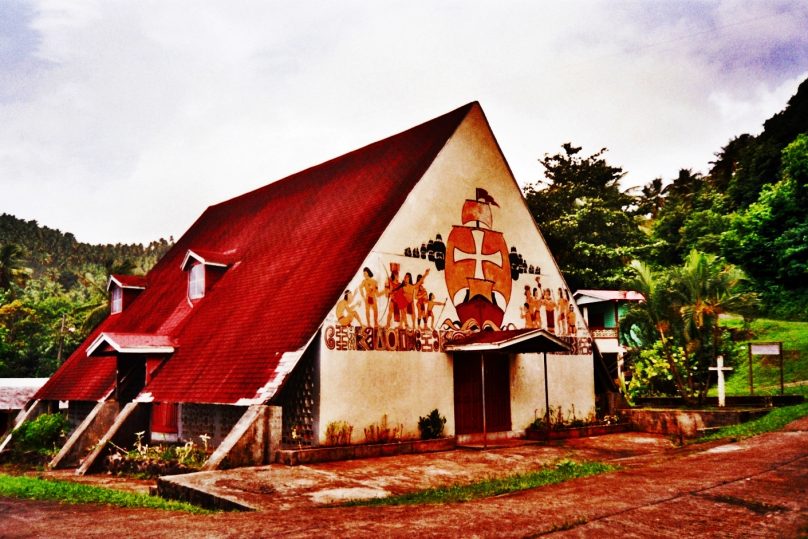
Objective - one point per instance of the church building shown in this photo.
(403, 277)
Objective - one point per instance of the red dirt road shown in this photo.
(755, 488)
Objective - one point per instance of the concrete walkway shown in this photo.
(286, 488)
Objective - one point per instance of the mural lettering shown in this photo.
(363, 338)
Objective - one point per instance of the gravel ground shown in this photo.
(755, 488)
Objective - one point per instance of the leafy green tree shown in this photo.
(590, 225)
(691, 216)
(769, 239)
(34, 325)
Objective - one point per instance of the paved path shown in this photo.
(755, 488)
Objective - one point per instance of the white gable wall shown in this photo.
(361, 381)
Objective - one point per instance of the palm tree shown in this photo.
(709, 288)
(11, 266)
(657, 318)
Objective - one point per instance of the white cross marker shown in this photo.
(720, 368)
(478, 255)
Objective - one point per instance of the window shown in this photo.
(116, 301)
(196, 281)
(596, 318)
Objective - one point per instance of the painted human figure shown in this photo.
(421, 301)
(390, 290)
(410, 291)
(346, 310)
(563, 305)
(535, 303)
(369, 289)
(527, 316)
(401, 298)
(430, 315)
(549, 305)
(571, 320)
(538, 309)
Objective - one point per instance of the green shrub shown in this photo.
(42, 436)
(431, 426)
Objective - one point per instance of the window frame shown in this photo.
(196, 281)
(116, 299)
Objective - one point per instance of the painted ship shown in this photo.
(478, 274)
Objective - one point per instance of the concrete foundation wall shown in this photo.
(571, 386)
(213, 420)
(77, 411)
(359, 387)
(686, 423)
(253, 441)
(95, 424)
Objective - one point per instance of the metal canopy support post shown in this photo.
(546, 397)
(482, 377)
(782, 385)
(751, 383)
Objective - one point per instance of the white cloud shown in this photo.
(128, 118)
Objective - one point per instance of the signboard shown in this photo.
(765, 349)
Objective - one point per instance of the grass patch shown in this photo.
(563, 471)
(793, 335)
(774, 420)
(34, 488)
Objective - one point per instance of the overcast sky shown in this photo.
(122, 121)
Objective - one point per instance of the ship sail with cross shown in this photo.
(478, 275)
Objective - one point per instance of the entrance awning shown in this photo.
(518, 341)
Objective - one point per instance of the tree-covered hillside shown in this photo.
(53, 291)
(750, 209)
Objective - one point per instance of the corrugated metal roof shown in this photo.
(582, 297)
(15, 392)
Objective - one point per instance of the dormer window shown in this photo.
(204, 269)
(116, 300)
(196, 281)
(123, 289)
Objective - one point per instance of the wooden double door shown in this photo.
(471, 372)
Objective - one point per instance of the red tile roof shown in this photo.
(299, 242)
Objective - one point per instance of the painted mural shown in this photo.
(435, 292)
